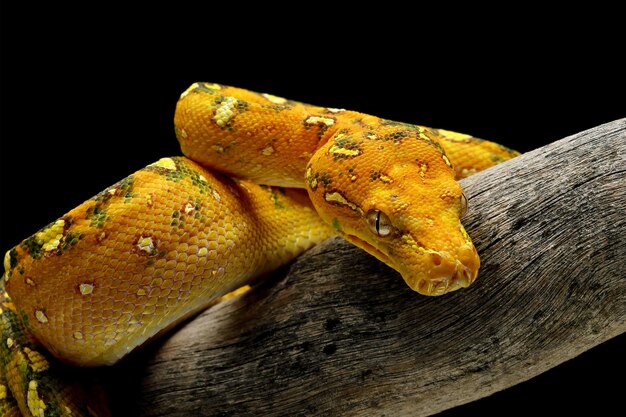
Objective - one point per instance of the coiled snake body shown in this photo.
(264, 179)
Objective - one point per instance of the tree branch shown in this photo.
(341, 334)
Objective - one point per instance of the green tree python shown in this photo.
(263, 179)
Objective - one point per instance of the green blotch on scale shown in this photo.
(23, 369)
(336, 225)
(13, 258)
(241, 105)
(53, 410)
(347, 143)
(341, 149)
(126, 187)
(178, 224)
(325, 179)
(123, 188)
(203, 88)
(181, 172)
(385, 122)
(32, 246)
(276, 107)
(24, 319)
(69, 240)
(178, 220)
(274, 198)
(97, 215)
(398, 135)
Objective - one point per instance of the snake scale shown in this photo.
(263, 180)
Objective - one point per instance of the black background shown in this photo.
(88, 95)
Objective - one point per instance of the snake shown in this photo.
(262, 180)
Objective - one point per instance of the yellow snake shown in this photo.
(175, 236)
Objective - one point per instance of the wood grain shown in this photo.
(339, 333)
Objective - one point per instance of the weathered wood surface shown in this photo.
(341, 334)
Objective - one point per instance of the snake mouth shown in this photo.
(372, 250)
(443, 273)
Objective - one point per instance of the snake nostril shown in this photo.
(436, 258)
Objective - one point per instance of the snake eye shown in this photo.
(463, 204)
(379, 223)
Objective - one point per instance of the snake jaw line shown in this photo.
(441, 273)
(371, 249)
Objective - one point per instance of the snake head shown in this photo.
(404, 209)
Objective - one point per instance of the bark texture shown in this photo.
(339, 333)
